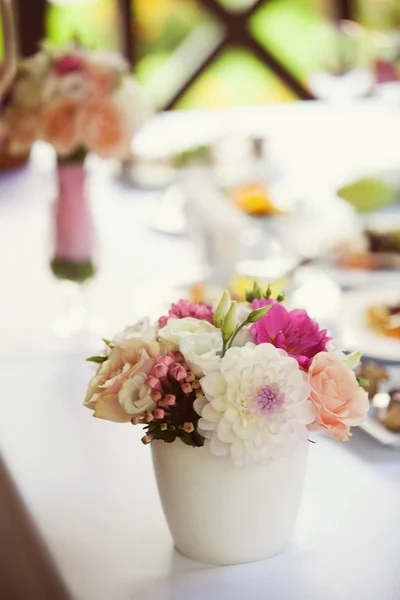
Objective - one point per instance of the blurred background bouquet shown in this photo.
(75, 99)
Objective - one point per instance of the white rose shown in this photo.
(202, 352)
(243, 311)
(134, 396)
(144, 330)
(178, 329)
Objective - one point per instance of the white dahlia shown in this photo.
(256, 406)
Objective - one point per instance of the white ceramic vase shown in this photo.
(224, 515)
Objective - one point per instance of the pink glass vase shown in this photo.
(73, 243)
(73, 226)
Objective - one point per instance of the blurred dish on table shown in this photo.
(383, 420)
(357, 331)
(371, 256)
(385, 319)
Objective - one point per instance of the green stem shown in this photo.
(223, 347)
(234, 334)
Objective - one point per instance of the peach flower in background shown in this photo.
(21, 127)
(113, 393)
(105, 128)
(61, 125)
(101, 78)
(339, 400)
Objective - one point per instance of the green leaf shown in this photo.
(96, 359)
(107, 342)
(363, 382)
(268, 293)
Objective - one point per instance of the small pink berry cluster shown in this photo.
(174, 388)
(184, 308)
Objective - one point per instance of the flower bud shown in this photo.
(169, 399)
(222, 308)
(156, 395)
(258, 314)
(152, 382)
(159, 413)
(186, 388)
(147, 438)
(188, 427)
(230, 322)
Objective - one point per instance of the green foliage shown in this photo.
(96, 359)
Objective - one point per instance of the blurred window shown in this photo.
(203, 53)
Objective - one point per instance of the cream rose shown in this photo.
(127, 360)
(339, 401)
(143, 330)
(135, 397)
(177, 329)
(202, 352)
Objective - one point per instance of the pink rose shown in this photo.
(60, 126)
(105, 129)
(339, 401)
(129, 363)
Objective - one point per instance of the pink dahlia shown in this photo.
(292, 331)
(184, 308)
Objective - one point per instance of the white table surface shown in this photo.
(89, 484)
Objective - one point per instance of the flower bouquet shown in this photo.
(79, 101)
(235, 391)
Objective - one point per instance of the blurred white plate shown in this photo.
(355, 278)
(357, 334)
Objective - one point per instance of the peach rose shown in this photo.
(60, 125)
(117, 391)
(105, 129)
(102, 79)
(339, 401)
(21, 128)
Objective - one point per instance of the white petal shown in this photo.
(199, 404)
(213, 384)
(219, 448)
(225, 432)
(238, 450)
(219, 403)
(205, 425)
(210, 414)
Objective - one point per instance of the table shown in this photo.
(89, 484)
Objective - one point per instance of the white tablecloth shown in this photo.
(89, 484)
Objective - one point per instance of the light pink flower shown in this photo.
(60, 126)
(339, 400)
(184, 308)
(292, 331)
(105, 129)
(127, 360)
(102, 79)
